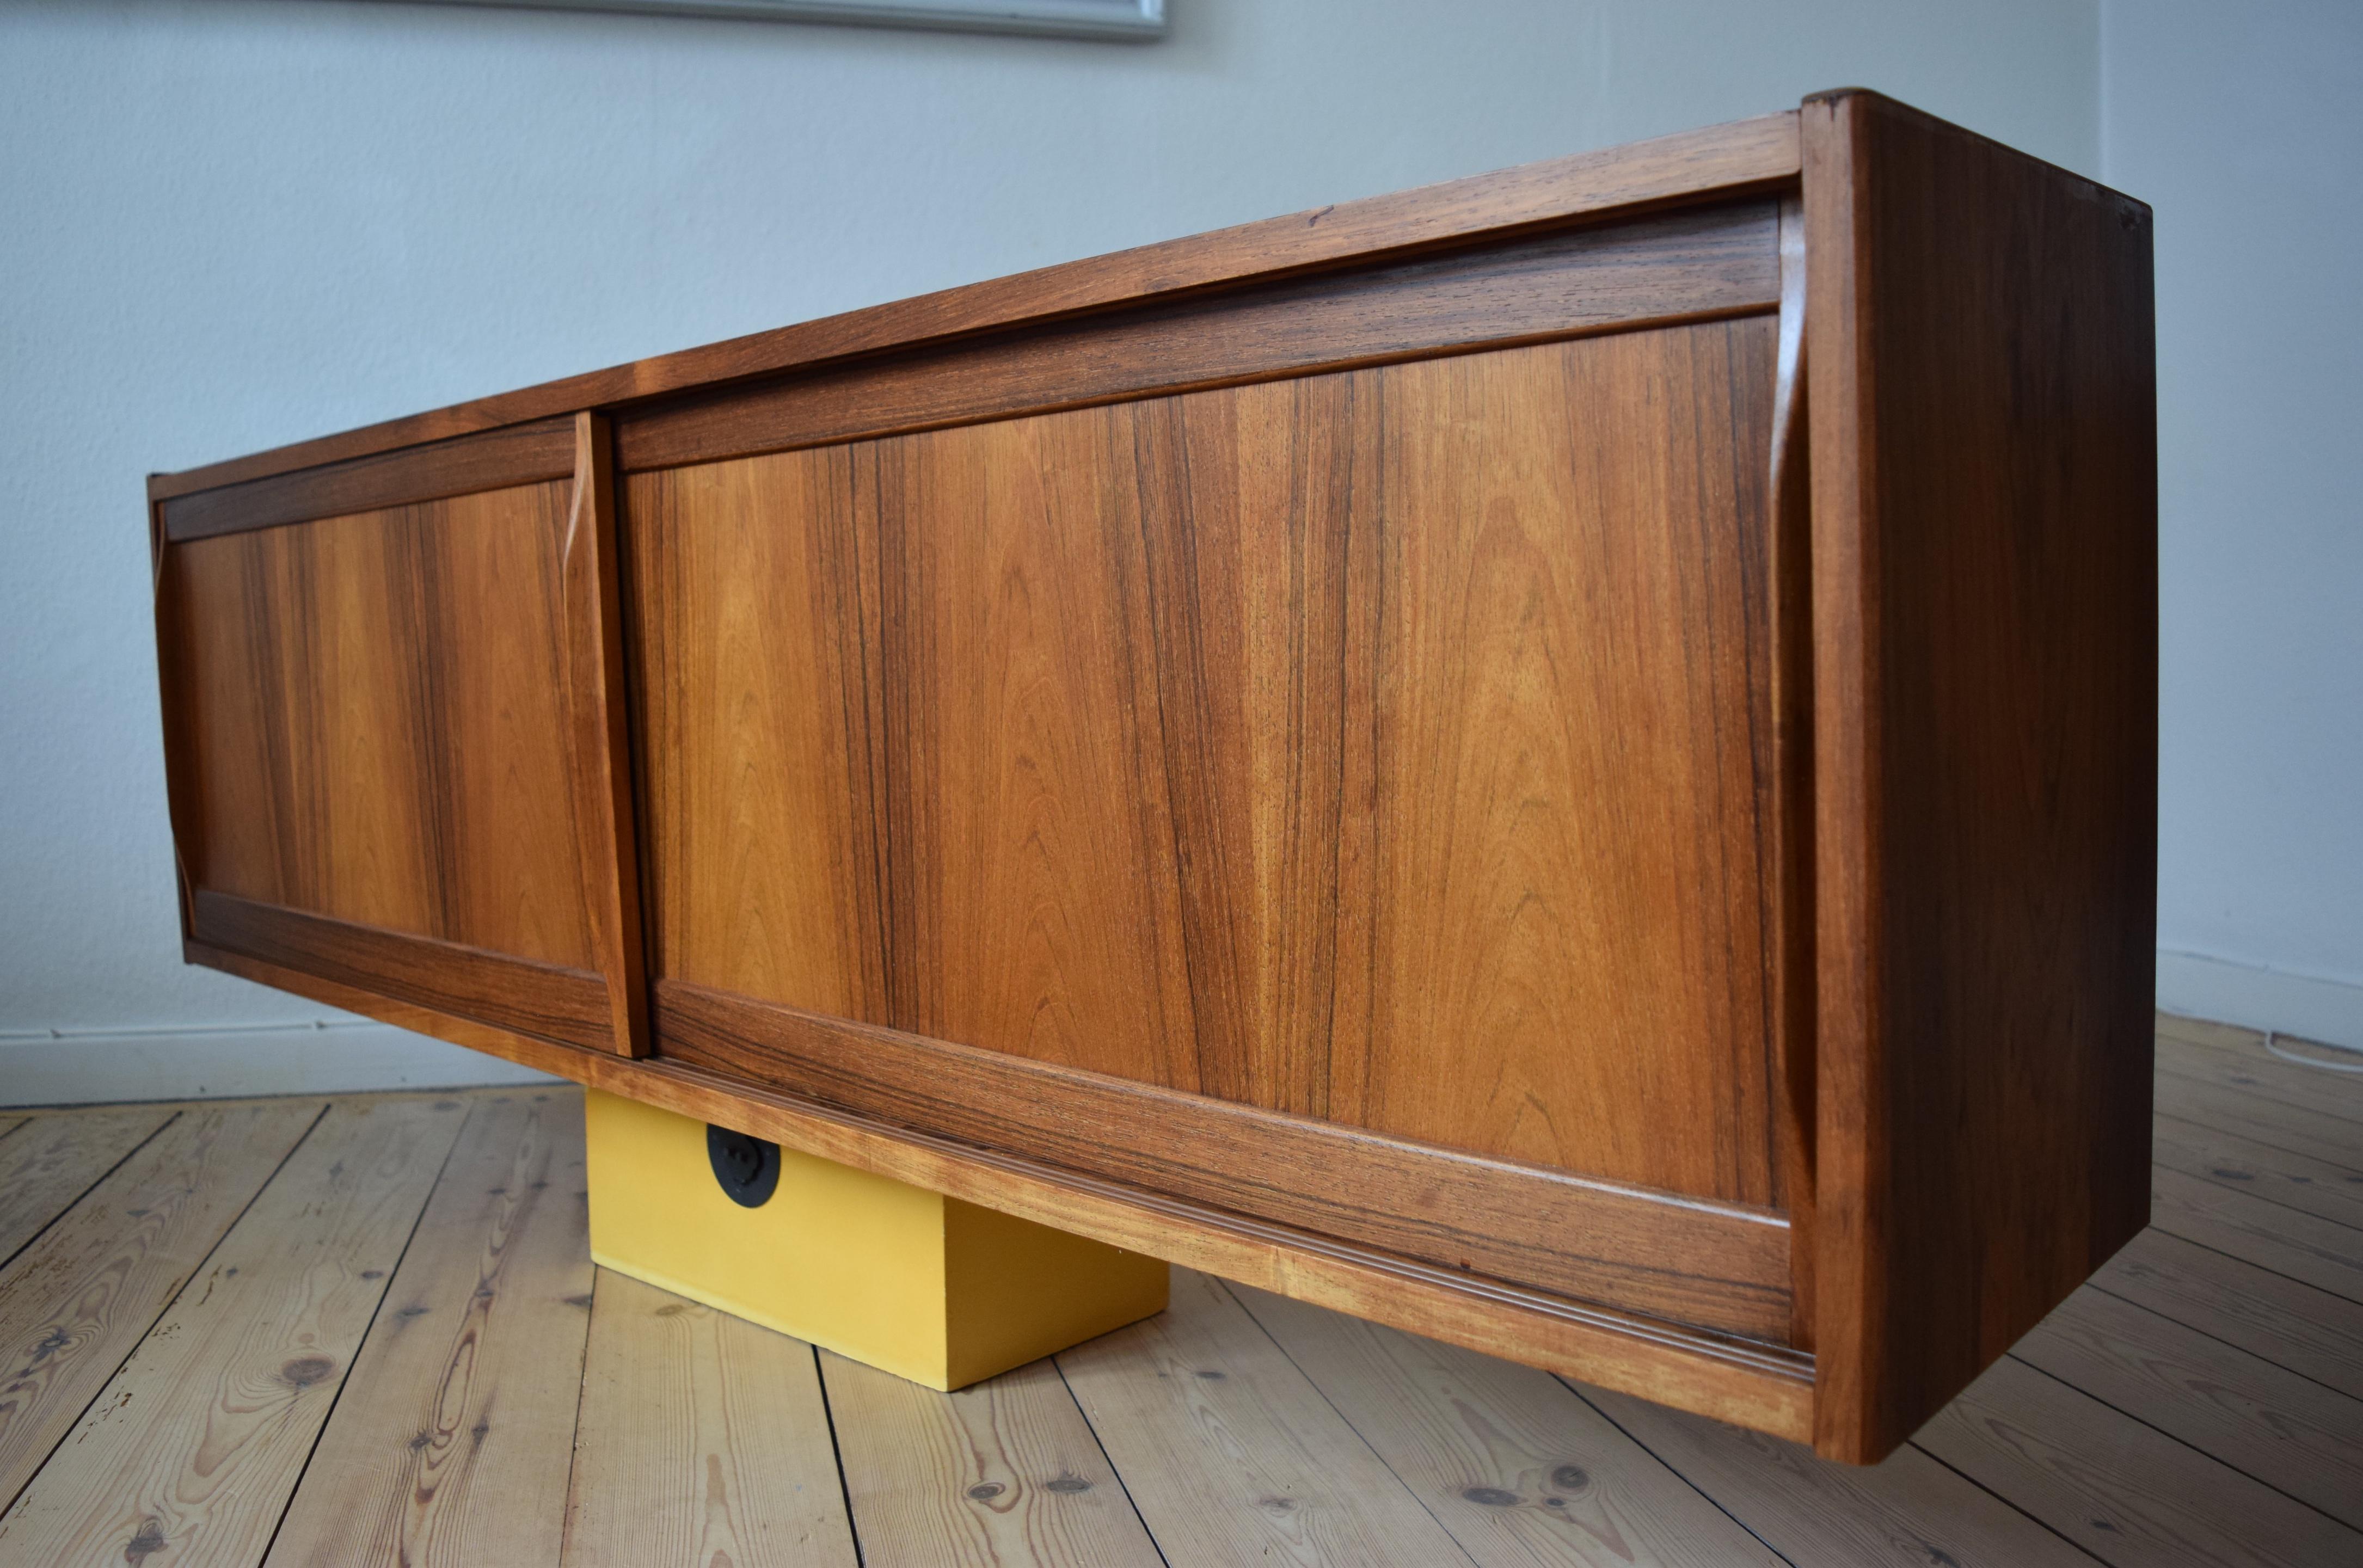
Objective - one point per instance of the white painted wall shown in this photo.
(2242, 126)
(235, 222)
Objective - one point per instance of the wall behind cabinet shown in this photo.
(232, 224)
(2241, 125)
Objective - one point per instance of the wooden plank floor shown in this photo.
(364, 1330)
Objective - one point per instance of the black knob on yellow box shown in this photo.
(746, 1166)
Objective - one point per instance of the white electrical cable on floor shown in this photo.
(2273, 1035)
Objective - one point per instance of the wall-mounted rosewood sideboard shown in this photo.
(1564, 760)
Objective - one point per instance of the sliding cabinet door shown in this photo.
(394, 757)
(1344, 801)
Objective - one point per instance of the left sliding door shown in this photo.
(393, 736)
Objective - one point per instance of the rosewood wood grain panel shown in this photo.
(377, 721)
(1688, 265)
(1247, 500)
(1749, 154)
(1270, 742)
(1036, 892)
(1984, 556)
(264, 638)
(763, 725)
(1145, 710)
(1570, 762)
(755, 700)
(1687, 1262)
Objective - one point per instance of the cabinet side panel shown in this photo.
(223, 716)
(1985, 553)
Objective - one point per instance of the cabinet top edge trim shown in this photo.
(1686, 166)
(538, 452)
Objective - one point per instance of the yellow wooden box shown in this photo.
(926, 1287)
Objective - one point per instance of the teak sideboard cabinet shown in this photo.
(1564, 760)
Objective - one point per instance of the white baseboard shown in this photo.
(56, 1068)
(2307, 1006)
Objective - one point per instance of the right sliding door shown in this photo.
(1345, 800)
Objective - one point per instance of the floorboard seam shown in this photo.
(2173, 1437)
(836, 1450)
(1122, 1485)
(2262, 1196)
(2006, 1501)
(2193, 1328)
(169, 1302)
(1449, 1534)
(2332, 1106)
(2260, 1101)
(574, 1435)
(360, 1346)
(2234, 1133)
(87, 1191)
(2313, 1328)
(2333, 1295)
(1674, 1470)
(2251, 1263)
